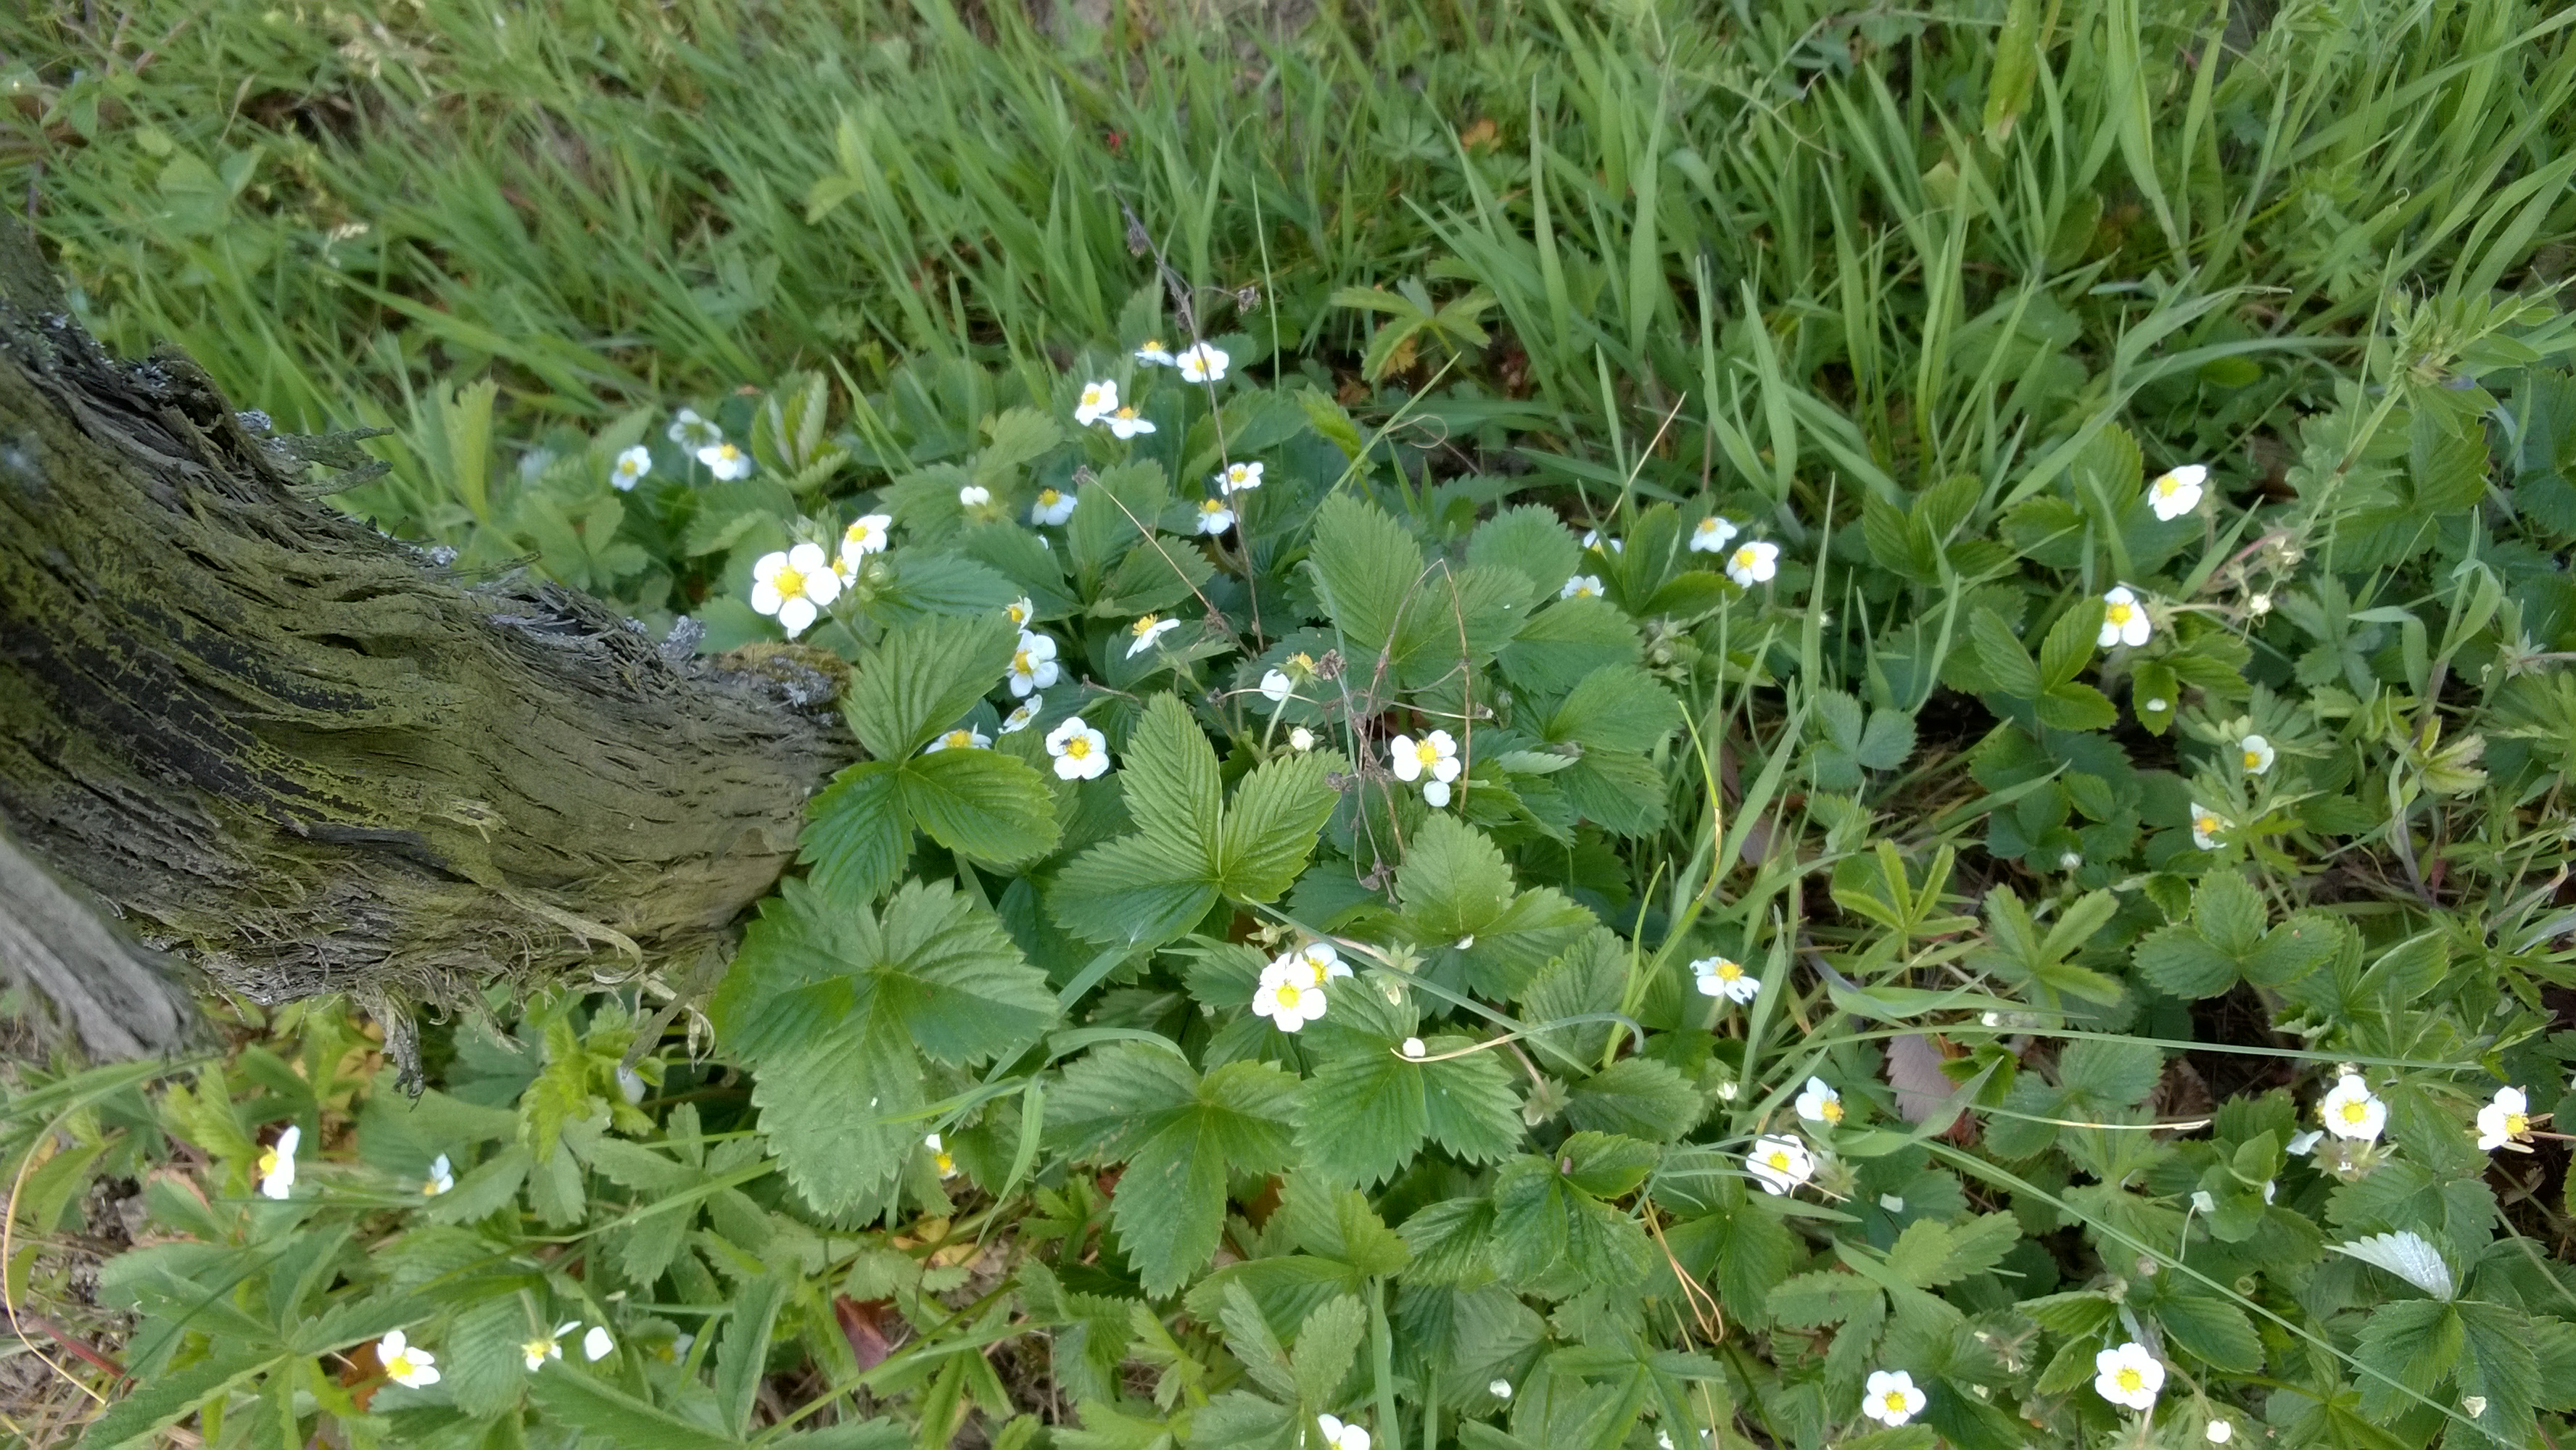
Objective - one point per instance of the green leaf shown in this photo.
(1930, 1253)
(835, 1005)
(2075, 707)
(2120, 1073)
(2413, 1342)
(1637, 1096)
(1530, 541)
(922, 678)
(1809, 1301)
(481, 1368)
(1616, 707)
(856, 836)
(1547, 1226)
(742, 1360)
(1560, 644)
(1139, 889)
(1368, 567)
(1367, 1109)
(1271, 827)
(2069, 644)
(1456, 892)
(2006, 664)
(980, 803)
(2212, 1331)
(1170, 775)
(1178, 1133)
(583, 1401)
(2498, 1366)
(1327, 1343)
(2181, 963)
(2229, 913)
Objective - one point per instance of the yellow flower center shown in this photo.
(267, 1161)
(945, 1164)
(1047, 498)
(2130, 1380)
(1779, 1160)
(1126, 412)
(1153, 344)
(1211, 506)
(1143, 627)
(1831, 1110)
(537, 1348)
(1020, 663)
(1018, 614)
(1745, 557)
(1728, 971)
(399, 1366)
(2119, 613)
(1301, 663)
(1289, 995)
(433, 1188)
(2516, 1124)
(2208, 825)
(1079, 747)
(1090, 396)
(959, 739)
(1896, 1402)
(2168, 485)
(790, 583)
(1708, 526)
(1427, 753)
(2355, 1111)
(2253, 759)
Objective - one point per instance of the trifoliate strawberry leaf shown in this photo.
(1639, 1097)
(1560, 644)
(980, 803)
(2225, 940)
(1190, 847)
(856, 836)
(1550, 1220)
(1367, 1107)
(836, 1005)
(1179, 1134)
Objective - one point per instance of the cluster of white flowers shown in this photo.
(1099, 404)
(1780, 1163)
(1081, 753)
(1291, 993)
(1725, 977)
(703, 440)
(1432, 760)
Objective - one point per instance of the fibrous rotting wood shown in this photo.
(306, 757)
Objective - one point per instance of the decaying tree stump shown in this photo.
(302, 757)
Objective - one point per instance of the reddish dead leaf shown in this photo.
(863, 1325)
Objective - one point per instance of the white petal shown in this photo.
(795, 616)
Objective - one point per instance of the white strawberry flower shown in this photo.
(630, 468)
(1301, 739)
(1143, 633)
(867, 534)
(546, 1346)
(1099, 400)
(794, 585)
(596, 1344)
(1726, 977)
(2206, 825)
(1288, 1005)
(2506, 1122)
(1581, 586)
(1312, 965)
(1125, 424)
(1754, 562)
(1018, 720)
(1820, 1103)
(726, 461)
(1033, 665)
(940, 1158)
(1780, 1163)
(1154, 353)
(1711, 535)
(1202, 362)
(1338, 1436)
(2177, 492)
(693, 432)
(974, 496)
(961, 738)
(1081, 753)
(1238, 477)
(2124, 619)
(1592, 540)
(2350, 1110)
(2128, 1376)
(2257, 754)
(277, 1163)
(1020, 611)
(1433, 760)
(1891, 1398)
(410, 1367)
(442, 1177)
(1214, 517)
(1054, 506)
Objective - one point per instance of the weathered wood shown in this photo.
(310, 759)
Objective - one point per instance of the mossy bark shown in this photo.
(303, 757)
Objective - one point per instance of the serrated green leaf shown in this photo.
(2414, 1343)
(2006, 665)
(1558, 645)
(1140, 889)
(480, 1367)
(2069, 645)
(1178, 1133)
(1368, 567)
(1532, 542)
(1639, 1097)
(2212, 1331)
(922, 678)
(835, 1005)
(2075, 706)
(583, 1401)
(1618, 708)
(980, 803)
(1546, 1224)
(2111, 1072)
(1809, 1301)
(1327, 1343)
(2180, 963)
(1170, 775)
(1271, 827)
(2229, 913)
(1456, 892)
(856, 837)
